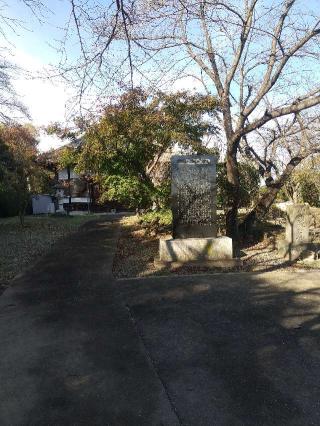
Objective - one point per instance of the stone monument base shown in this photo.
(219, 264)
(195, 249)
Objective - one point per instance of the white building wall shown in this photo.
(63, 174)
(42, 204)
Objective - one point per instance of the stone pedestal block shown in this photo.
(195, 249)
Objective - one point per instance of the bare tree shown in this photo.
(245, 52)
(11, 107)
(93, 63)
(277, 152)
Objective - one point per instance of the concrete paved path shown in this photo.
(78, 348)
(69, 352)
(234, 349)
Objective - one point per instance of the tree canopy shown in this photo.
(126, 144)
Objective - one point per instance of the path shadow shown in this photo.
(240, 349)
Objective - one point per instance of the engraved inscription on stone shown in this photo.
(194, 196)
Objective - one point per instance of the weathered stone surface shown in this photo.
(297, 236)
(193, 192)
(195, 249)
(225, 264)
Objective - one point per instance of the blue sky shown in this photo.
(38, 34)
(30, 46)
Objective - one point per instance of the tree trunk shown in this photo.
(260, 209)
(232, 230)
(22, 213)
(263, 205)
(69, 189)
(21, 218)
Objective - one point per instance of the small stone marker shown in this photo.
(193, 192)
(297, 236)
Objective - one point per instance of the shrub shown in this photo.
(127, 190)
(9, 202)
(163, 217)
(161, 195)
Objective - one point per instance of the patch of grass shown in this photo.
(163, 217)
(23, 246)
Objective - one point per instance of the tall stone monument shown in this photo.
(193, 197)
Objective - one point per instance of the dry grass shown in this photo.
(21, 247)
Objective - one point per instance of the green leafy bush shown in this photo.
(9, 202)
(310, 190)
(163, 217)
(127, 190)
(161, 195)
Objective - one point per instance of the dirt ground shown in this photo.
(138, 247)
